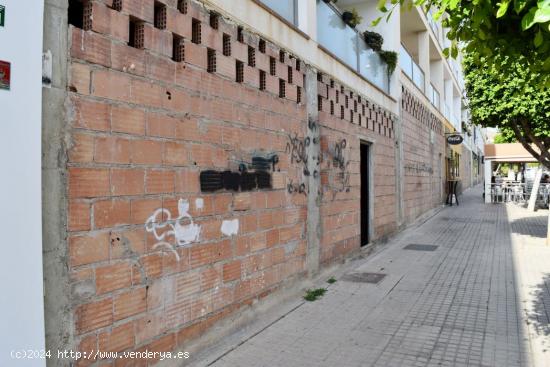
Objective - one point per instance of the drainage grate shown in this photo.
(417, 247)
(373, 278)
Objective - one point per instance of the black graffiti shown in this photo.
(296, 188)
(244, 180)
(342, 181)
(297, 149)
(338, 159)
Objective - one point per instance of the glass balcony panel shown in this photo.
(285, 8)
(406, 62)
(334, 35)
(418, 77)
(372, 67)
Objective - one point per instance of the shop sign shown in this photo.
(455, 139)
(5, 68)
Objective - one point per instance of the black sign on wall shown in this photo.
(455, 139)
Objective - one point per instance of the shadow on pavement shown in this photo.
(531, 226)
(539, 312)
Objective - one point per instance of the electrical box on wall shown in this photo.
(5, 71)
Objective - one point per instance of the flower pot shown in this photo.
(347, 17)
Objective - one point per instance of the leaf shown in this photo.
(538, 39)
(528, 19)
(381, 5)
(519, 5)
(375, 22)
(503, 8)
(542, 15)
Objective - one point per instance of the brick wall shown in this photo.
(187, 171)
(150, 110)
(423, 157)
(346, 118)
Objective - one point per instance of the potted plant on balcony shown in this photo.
(330, 1)
(390, 58)
(373, 40)
(352, 18)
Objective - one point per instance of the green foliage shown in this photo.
(505, 136)
(314, 294)
(373, 40)
(493, 30)
(331, 280)
(352, 18)
(390, 58)
(510, 101)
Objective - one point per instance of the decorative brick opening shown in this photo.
(332, 83)
(360, 120)
(262, 80)
(117, 5)
(251, 56)
(332, 108)
(282, 56)
(178, 50)
(240, 36)
(226, 45)
(342, 112)
(87, 15)
(355, 106)
(319, 77)
(261, 46)
(196, 32)
(272, 66)
(351, 117)
(346, 101)
(137, 33)
(319, 103)
(282, 88)
(211, 64)
(298, 94)
(290, 73)
(298, 64)
(76, 13)
(160, 15)
(182, 6)
(363, 109)
(337, 97)
(214, 20)
(239, 68)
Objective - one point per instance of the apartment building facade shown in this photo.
(205, 155)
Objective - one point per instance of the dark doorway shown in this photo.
(365, 178)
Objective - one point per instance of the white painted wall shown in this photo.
(21, 283)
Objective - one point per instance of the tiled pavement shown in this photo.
(482, 298)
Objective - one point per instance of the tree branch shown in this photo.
(543, 159)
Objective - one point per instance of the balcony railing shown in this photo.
(410, 68)
(349, 46)
(288, 9)
(433, 96)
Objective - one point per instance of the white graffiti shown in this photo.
(230, 227)
(184, 234)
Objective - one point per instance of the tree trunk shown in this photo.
(535, 190)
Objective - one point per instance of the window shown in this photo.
(288, 9)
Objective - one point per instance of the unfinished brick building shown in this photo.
(201, 165)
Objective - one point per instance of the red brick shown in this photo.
(118, 339)
(196, 55)
(90, 47)
(82, 148)
(241, 201)
(157, 40)
(112, 277)
(90, 248)
(160, 68)
(187, 181)
(110, 22)
(128, 120)
(91, 115)
(79, 216)
(94, 315)
(210, 253)
(232, 271)
(130, 303)
(127, 181)
(160, 181)
(141, 9)
(148, 93)
(126, 243)
(142, 209)
(178, 23)
(128, 59)
(146, 151)
(80, 78)
(88, 182)
(111, 149)
(111, 213)
(175, 154)
(161, 125)
(210, 277)
(111, 85)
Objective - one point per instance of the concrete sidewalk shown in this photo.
(481, 297)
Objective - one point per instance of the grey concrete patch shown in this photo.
(362, 277)
(420, 247)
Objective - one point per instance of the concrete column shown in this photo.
(424, 57)
(399, 168)
(313, 181)
(488, 174)
(58, 318)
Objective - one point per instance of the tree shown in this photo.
(505, 136)
(510, 101)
